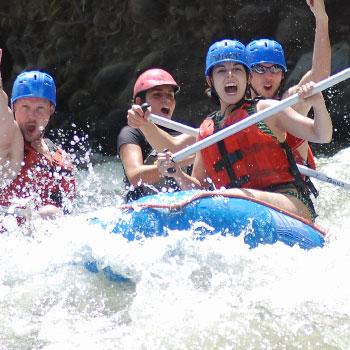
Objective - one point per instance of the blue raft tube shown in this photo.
(219, 212)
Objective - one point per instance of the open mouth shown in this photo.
(165, 110)
(31, 128)
(231, 89)
(268, 87)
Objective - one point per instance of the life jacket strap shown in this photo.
(311, 187)
(300, 184)
(228, 158)
(226, 163)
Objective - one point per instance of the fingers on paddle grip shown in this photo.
(144, 106)
(171, 170)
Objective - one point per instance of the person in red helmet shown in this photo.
(157, 88)
(34, 173)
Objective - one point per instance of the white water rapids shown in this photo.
(184, 294)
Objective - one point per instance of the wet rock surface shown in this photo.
(95, 50)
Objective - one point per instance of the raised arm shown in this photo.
(321, 59)
(11, 139)
(7, 128)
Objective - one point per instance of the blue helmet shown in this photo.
(265, 51)
(34, 84)
(225, 51)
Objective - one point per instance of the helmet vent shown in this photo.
(34, 84)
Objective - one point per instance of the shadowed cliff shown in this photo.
(95, 49)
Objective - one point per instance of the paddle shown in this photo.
(303, 169)
(322, 177)
(194, 132)
(256, 117)
(168, 123)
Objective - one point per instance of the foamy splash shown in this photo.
(182, 294)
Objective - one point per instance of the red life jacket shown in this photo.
(294, 142)
(247, 159)
(44, 180)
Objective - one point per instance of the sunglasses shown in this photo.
(260, 69)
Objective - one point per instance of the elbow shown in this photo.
(134, 180)
(327, 138)
(133, 177)
(320, 74)
(326, 74)
(329, 134)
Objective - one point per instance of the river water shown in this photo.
(182, 294)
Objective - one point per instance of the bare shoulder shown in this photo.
(262, 104)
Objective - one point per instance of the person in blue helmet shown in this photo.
(255, 162)
(34, 172)
(268, 67)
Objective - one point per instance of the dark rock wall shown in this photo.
(95, 49)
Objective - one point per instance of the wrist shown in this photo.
(322, 18)
(147, 127)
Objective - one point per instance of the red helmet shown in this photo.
(152, 78)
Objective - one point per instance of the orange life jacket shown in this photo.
(45, 181)
(248, 159)
(294, 142)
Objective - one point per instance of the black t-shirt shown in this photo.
(129, 135)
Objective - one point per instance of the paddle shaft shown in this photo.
(256, 117)
(322, 177)
(303, 169)
(168, 123)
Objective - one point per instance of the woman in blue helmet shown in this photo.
(268, 68)
(33, 170)
(254, 162)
